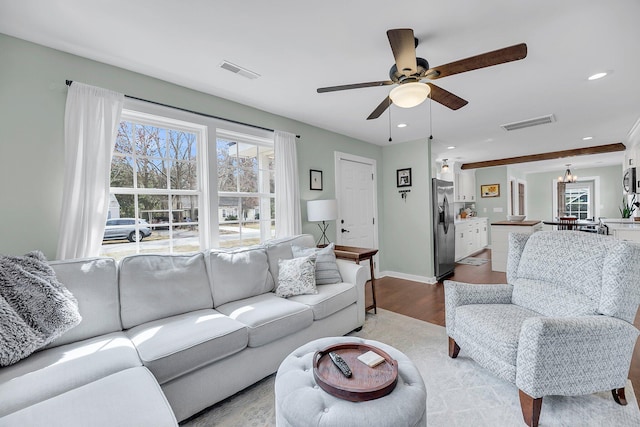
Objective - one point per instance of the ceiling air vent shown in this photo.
(239, 70)
(530, 122)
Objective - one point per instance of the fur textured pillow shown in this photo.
(35, 308)
(327, 272)
(296, 276)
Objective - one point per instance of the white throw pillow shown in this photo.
(296, 276)
(327, 272)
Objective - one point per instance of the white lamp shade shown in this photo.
(322, 210)
(409, 94)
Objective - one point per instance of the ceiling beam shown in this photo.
(598, 149)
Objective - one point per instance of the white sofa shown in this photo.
(163, 337)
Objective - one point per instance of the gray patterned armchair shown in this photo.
(563, 325)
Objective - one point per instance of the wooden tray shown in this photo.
(365, 383)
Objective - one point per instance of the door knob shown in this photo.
(344, 231)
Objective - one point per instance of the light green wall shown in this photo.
(407, 230)
(540, 190)
(32, 100)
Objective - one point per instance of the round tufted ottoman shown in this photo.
(301, 402)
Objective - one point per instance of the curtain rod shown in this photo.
(68, 83)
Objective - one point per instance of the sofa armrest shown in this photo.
(574, 355)
(458, 293)
(357, 275)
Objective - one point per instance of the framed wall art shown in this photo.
(403, 178)
(490, 190)
(315, 179)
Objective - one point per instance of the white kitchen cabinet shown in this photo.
(500, 239)
(484, 232)
(471, 237)
(465, 186)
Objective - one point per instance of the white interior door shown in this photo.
(356, 195)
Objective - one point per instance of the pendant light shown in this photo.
(445, 166)
(568, 176)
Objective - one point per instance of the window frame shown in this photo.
(208, 173)
(162, 121)
(262, 184)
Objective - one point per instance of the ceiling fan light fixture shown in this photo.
(409, 95)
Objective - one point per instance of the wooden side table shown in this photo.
(360, 254)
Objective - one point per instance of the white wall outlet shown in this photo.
(497, 209)
(484, 209)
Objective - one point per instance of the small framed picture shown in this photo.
(490, 190)
(315, 179)
(404, 177)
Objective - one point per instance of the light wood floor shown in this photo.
(426, 302)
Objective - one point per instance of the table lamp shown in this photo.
(322, 210)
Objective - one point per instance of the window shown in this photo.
(155, 177)
(578, 199)
(246, 189)
(190, 185)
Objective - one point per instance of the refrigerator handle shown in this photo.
(445, 204)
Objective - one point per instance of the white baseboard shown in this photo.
(412, 277)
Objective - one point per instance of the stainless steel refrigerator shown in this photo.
(444, 232)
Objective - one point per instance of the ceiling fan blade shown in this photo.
(380, 108)
(403, 46)
(354, 86)
(500, 56)
(446, 98)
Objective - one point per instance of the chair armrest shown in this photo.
(357, 275)
(458, 293)
(574, 355)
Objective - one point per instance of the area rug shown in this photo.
(459, 392)
(473, 261)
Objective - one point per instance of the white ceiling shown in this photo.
(298, 46)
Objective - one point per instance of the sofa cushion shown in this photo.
(156, 286)
(268, 317)
(94, 284)
(296, 276)
(329, 299)
(239, 274)
(57, 370)
(327, 271)
(131, 397)
(176, 345)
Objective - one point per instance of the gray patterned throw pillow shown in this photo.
(327, 272)
(296, 276)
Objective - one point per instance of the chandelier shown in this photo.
(568, 177)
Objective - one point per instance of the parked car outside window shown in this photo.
(125, 228)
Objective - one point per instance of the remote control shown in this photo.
(340, 363)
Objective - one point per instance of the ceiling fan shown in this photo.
(409, 71)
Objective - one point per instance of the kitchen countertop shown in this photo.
(469, 218)
(623, 225)
(527, 223)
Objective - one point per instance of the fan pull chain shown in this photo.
(389, 108)
(430, 119)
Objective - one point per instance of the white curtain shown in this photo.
(91, 120)
(288, 217)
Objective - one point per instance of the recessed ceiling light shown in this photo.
(597, 76)
(402, 125)
(451, 147)
(586, 138)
